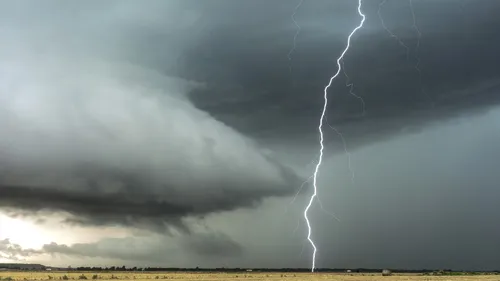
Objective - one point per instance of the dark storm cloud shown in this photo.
(93, 125)
(110, 112)
(90, 129)
(252, 85)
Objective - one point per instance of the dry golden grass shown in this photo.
(253, 276)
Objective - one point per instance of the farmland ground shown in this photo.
(251, 276)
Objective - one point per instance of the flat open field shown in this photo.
(22, 276)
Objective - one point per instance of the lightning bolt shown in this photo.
(389, 31)
(296, 33)
(347, 153)
(351, 92)
(321, 137)
(419, 37)
(417, 47)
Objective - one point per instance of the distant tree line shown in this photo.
(325, 270)
(38, 267)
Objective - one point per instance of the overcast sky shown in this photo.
(177, 133)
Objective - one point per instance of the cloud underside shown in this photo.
(150, 248)
(158, 213)
(395, 90)
(120, 144)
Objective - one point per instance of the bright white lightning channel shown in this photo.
(321, 137)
